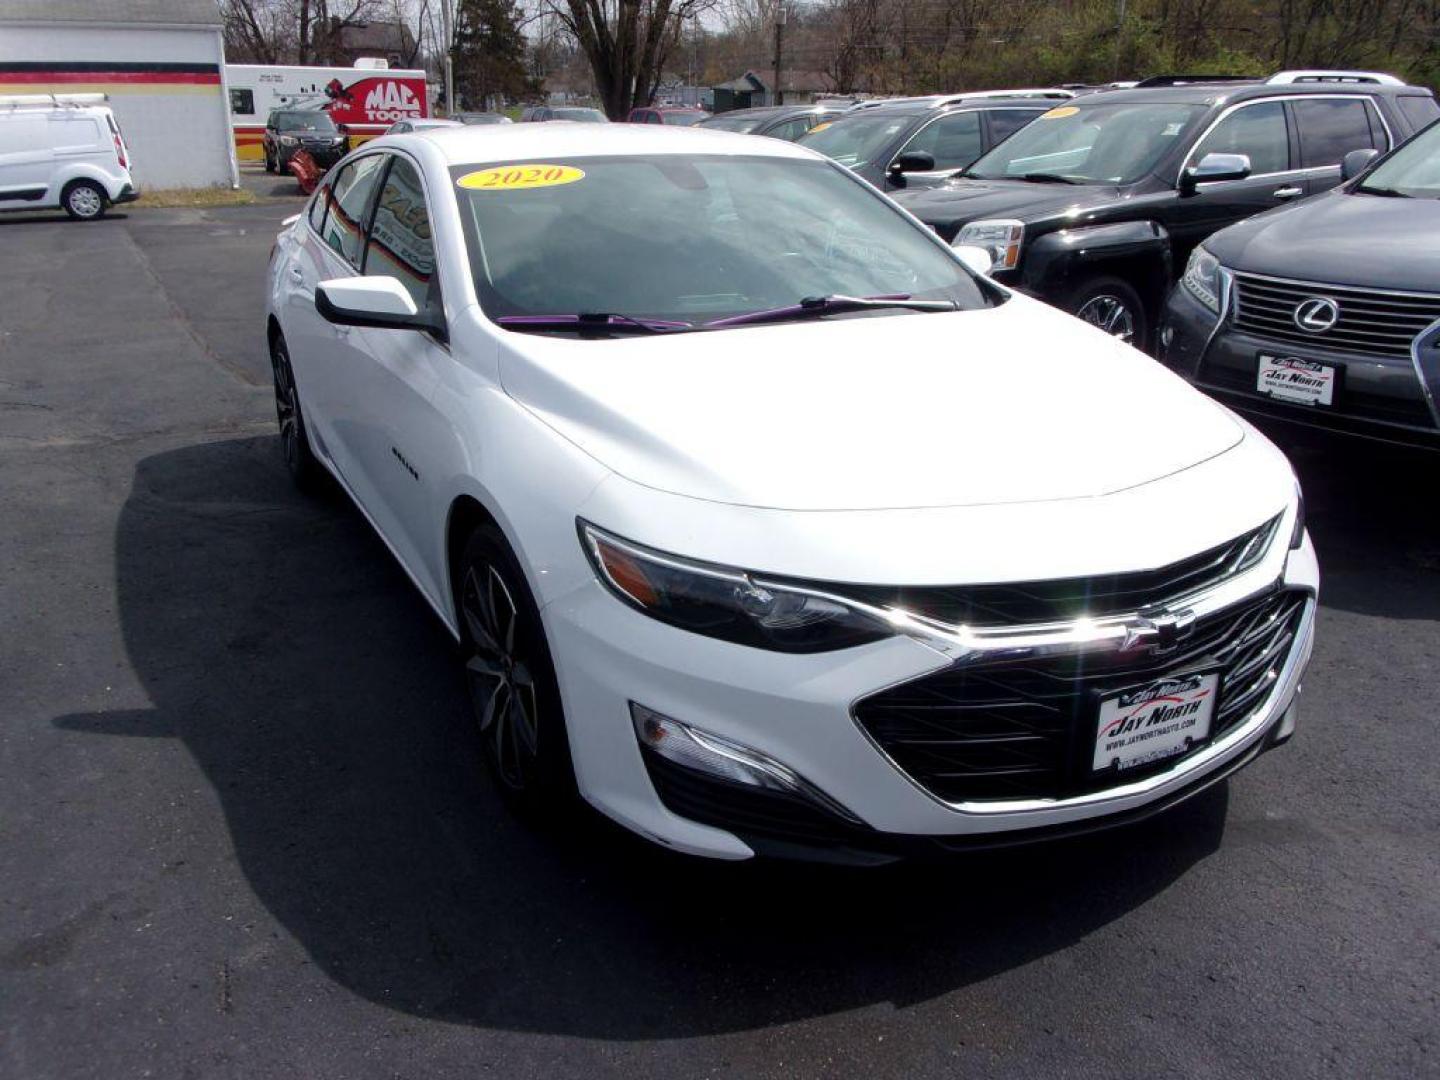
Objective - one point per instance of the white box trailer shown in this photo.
(366, 98)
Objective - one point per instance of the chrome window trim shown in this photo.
(1231, 109)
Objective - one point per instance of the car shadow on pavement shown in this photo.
(276, 637)
(1375, 521)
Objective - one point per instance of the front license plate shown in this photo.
(1155, 721)
(1290, 378)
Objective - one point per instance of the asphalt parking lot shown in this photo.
(243, 830)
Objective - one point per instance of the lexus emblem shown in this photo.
(1316, 314)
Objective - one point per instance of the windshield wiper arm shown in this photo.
(593, 320)
(815, 306)
(1048, 178)
(1387, 192)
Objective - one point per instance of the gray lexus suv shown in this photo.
(1325, 312)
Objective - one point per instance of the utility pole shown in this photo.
(779, 50)
(447, 31)
(1119, 35)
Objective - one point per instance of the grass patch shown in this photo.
(195, 197)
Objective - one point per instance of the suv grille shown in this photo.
(1372, 323)
(1008, 729)
(1070, 598)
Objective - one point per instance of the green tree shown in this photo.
(489, 53)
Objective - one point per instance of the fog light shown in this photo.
(724, 759)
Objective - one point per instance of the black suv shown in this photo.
(1097, 205)
(921, 142)
(288, 131)
(1326, 313)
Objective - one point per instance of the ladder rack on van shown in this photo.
(51, 101)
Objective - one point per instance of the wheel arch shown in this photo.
(1137, 252)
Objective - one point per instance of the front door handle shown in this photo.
(1287, 192)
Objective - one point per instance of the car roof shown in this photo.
(493, 145)
(1224, 93)
(927, 107)
(764, 112)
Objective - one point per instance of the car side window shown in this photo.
(399, 243)
(1258, 131)
(317, 209)
(1005, 122)
(349, 201)
(790, 130)
(953, 141)
(1418, 110)
(1330, 128)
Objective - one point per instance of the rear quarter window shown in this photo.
(1420, 111)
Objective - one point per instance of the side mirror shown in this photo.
(1356, 162)
(976, 258)
(912, 161)
(380, 302)
(1212, 169)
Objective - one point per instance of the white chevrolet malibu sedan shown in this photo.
(764, 521)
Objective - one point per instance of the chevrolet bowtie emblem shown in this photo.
(1159, 633)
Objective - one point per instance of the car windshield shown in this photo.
(305, 121)
(742, 124)
(856, 140)
(1090, 144)
(1413, 170)
(699, 237)
(589, 116)
(482, 118)
(682, 118)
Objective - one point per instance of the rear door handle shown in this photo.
(1288, 192)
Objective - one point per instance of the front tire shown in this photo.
(300, 461)
(1112, 305)
(84, 200)
(511, 680)
(269, 162)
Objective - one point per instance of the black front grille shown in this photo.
(1410, 411)
(1371, 323)
(1014, 729)
(1066, 599)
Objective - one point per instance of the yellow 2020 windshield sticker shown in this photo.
(1060, 113)
(518, 177)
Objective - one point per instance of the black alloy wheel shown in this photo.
(511, 680)
(300, 460)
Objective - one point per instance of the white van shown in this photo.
(62, 150)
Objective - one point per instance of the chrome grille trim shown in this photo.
(1372, 321)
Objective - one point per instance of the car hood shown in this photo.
(953, 204)
(1012, 404)
(1340, 239)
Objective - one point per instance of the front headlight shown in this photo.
(726, 603)
(1202, 278)
(1001, 237)
(289, 140)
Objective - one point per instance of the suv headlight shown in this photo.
(726, 603)
(1202, 278)
(289, 140)
(1001, 237)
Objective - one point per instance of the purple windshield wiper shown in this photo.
(815, 306)
(624, 324)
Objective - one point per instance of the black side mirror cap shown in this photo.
(912, 161)
(1356, 162)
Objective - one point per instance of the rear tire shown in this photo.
(84, 200)
(269, 162)
(300, 461)
(511, 680)
(1114, 306)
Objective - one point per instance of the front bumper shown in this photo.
(1378, 397)
(799, 711)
